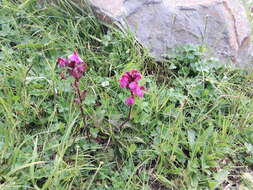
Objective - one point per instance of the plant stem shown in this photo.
(77, 87)
(128, 118)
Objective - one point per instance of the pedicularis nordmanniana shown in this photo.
(76, 68)
(74, 64)
(130, 81)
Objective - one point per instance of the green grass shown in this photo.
(192, 130)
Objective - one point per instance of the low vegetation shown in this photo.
(193, 128)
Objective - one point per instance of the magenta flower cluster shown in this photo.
(76, 68)
(75, 65)
(129, 80)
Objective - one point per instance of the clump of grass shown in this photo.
(192, 130)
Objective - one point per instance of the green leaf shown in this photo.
(132, 148)
(90, 99)
(221, 176)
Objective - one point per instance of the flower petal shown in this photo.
(124, 80)
(75, 58)
(138, 92)
(80, 68)
(133, 85)
(142, 87)
(135, 75)
(75, 73)
(62, 62)
(129, 100)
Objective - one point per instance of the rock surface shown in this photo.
(161, 25)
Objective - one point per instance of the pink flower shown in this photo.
(129, 77)
(76, 66)
(135, 74)
(139, 91)
(130, 80)
(129, 101)
(133, 85)
(75, 58)
(62, 62)
(124, 80)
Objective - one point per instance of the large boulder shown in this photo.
(162, 25)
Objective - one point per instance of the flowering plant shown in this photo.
(130, 81)
(76, 68)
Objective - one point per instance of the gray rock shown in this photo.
(162, 25)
